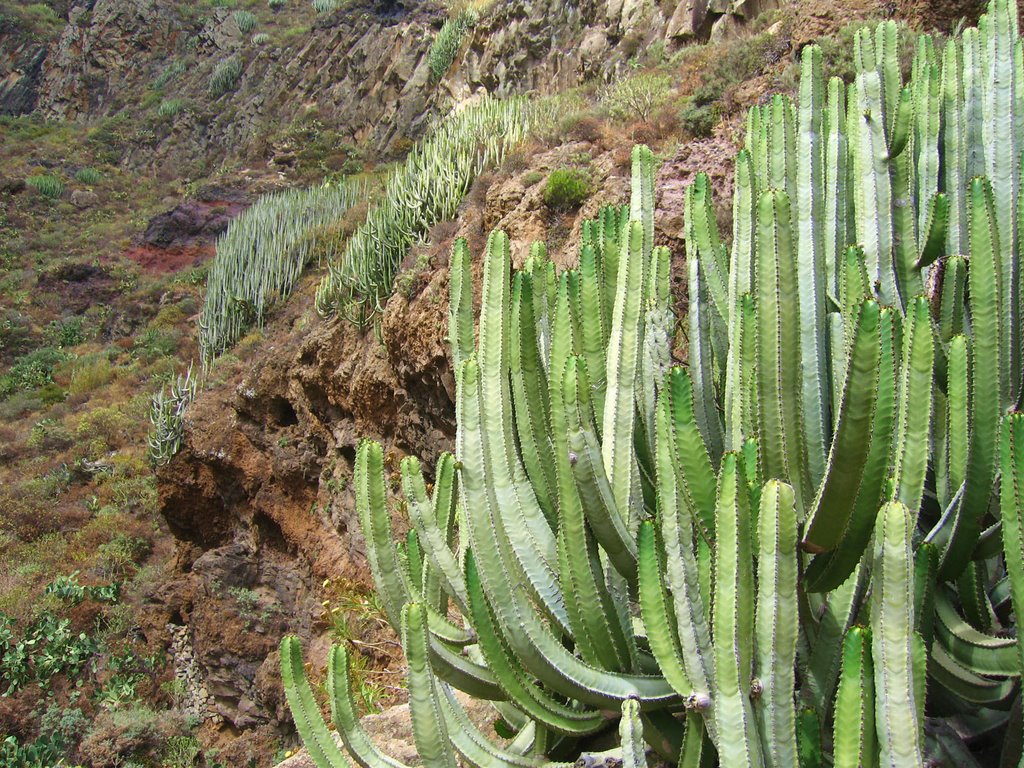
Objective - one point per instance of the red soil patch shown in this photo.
(162, 261)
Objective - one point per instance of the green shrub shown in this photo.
(566, 189)
(181, 752)
(44, 751)
(170, 72)
(325, 6)
(64, 333)
(31, 371)
(260, 38)
(635, 97)
(15, 332)
(119, 556)
(276, 5)
(49, 435)
(225, 76)
(699, 119)
(66, 723)
(447, 43)
(154, 343)
(246, 21)
(170, 107)
(532, 177)
(47, 185)
(89, 176)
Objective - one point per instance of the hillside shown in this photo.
(143, 598)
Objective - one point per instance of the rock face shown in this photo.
(362, 70)
(21, 69)
(253, 496)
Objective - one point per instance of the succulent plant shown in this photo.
(776, 555)
(46, 184)
(225, 76)
(246, 21)
(448, 41)
(166, 414)
(425, 189)
(261, 255)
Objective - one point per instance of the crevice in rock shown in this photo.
(282, 413)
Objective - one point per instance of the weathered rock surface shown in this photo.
(362, 70)
(21, 69)
(247, 497)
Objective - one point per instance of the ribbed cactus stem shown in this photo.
(897, 718)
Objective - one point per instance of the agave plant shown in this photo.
(246, 21)
(225, 76)
(788, 551)
(46, 184)
(170, 108)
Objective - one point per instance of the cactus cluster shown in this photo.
(261, 255)
(448, 41)
(166, 414)
(425, 189)
(805, 547)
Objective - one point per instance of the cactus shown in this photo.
(261, 256)
(425, 189)
(166, 414)
(622, 537)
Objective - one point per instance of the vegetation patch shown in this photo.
(246, 21)
(169, 73)
(261, 256)
(46, 185)
(170, 107)
(225, 76)
(635, 97)
(448, 42)
(89, 176)
(425, 189)
(567, 189)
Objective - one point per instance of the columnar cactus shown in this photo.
(796, 534)
(425, 189)
(261, 256)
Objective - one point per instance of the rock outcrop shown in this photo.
(362, 70)
(21, 69)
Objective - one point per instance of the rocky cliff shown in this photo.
(362, 70)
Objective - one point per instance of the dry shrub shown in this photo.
(442, 235)
(90, 375)
(478, 192)
(515, 162)
(27, 512)
(587, 128)
(136, 732)
(664, 124)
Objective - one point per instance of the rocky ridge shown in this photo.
(362, 70)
